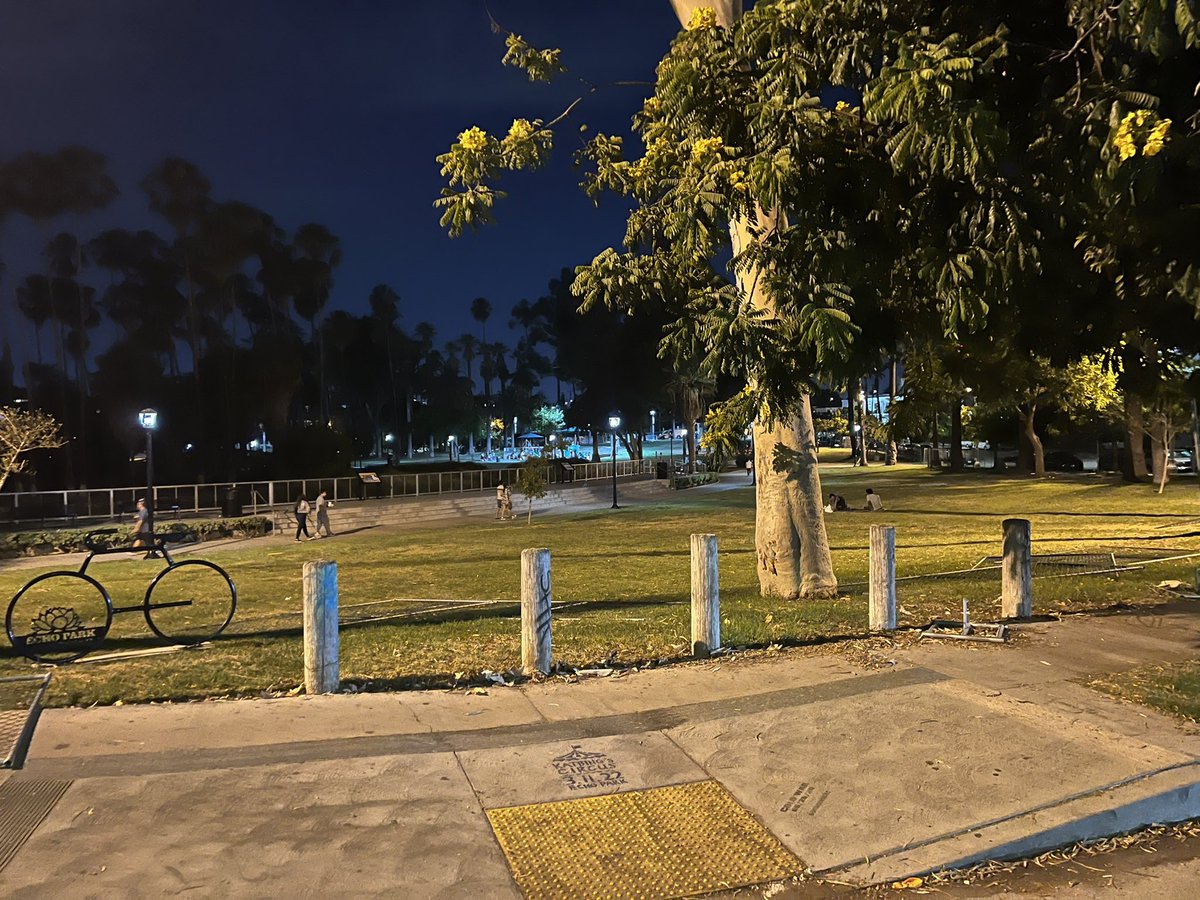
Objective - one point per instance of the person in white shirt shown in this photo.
(874, 503)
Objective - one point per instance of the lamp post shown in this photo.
(614, 422)
(450, 446)
(653, 427)
(148, 419)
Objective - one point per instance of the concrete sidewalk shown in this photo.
(923, 756)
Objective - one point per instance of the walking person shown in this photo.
(507, 504)
(302, 510)
(323, 514)
(143, 536)
(500, 489)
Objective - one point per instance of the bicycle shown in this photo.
(60, 616)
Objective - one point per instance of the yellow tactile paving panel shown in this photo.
(666, 842)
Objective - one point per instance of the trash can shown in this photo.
(231, 504)
(662, 470)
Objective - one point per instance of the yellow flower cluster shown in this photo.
(1156, 138)
(1126, 138)
(474, 138)
(704, 17)
(521, 130)
(706, 148)
(737, 181)
(842, 106)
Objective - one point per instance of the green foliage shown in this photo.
(548, 419)
(478, 158)
(539, 65)
(533, 476)
(832, 422)
(679, 482)
(1022, 187)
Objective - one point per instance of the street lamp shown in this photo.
(653, 427)
(450, 445)
(148, 419)
(614, 422)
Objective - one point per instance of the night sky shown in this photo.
(330, 112)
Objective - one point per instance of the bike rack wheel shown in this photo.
(190, 602)
(58, 617)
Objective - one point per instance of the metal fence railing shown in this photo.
(253, 496)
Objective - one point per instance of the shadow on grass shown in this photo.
(1037, 512)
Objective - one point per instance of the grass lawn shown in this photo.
(1173, 689)
(620, 581)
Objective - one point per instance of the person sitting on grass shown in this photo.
(836, 503)
(874, 503)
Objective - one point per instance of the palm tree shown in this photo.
(320, 253)
(43, 186)
(385, 309)
(179, 192)
(481, 311)
(33, 299)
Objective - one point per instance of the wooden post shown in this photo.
(535, 611)
(1017, 571)
(882, 591)
(706, 595)
(320, 627)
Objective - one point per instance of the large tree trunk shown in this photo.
(789, 525)
(789, 522)
(1034, 442)
(790, 539)
(893, 455)
(956, 450)
(860, 398)
(1162, 436)
(1134, 462)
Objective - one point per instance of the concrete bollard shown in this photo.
(320, 627)
(1016, 585)
(706, 595)
(535, 611)
(882, 592)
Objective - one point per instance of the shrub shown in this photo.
(70, 540)
(686, 481)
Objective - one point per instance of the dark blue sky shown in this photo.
(330, 112)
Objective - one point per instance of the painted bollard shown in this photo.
(535, 611)
(320, 627)
(882, 587)
(706, 599)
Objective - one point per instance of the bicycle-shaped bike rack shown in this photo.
(60, 616)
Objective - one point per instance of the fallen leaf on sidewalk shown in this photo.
(907, 883)
(478, 690)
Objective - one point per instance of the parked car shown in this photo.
(1181, 460)
(1062, 461)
